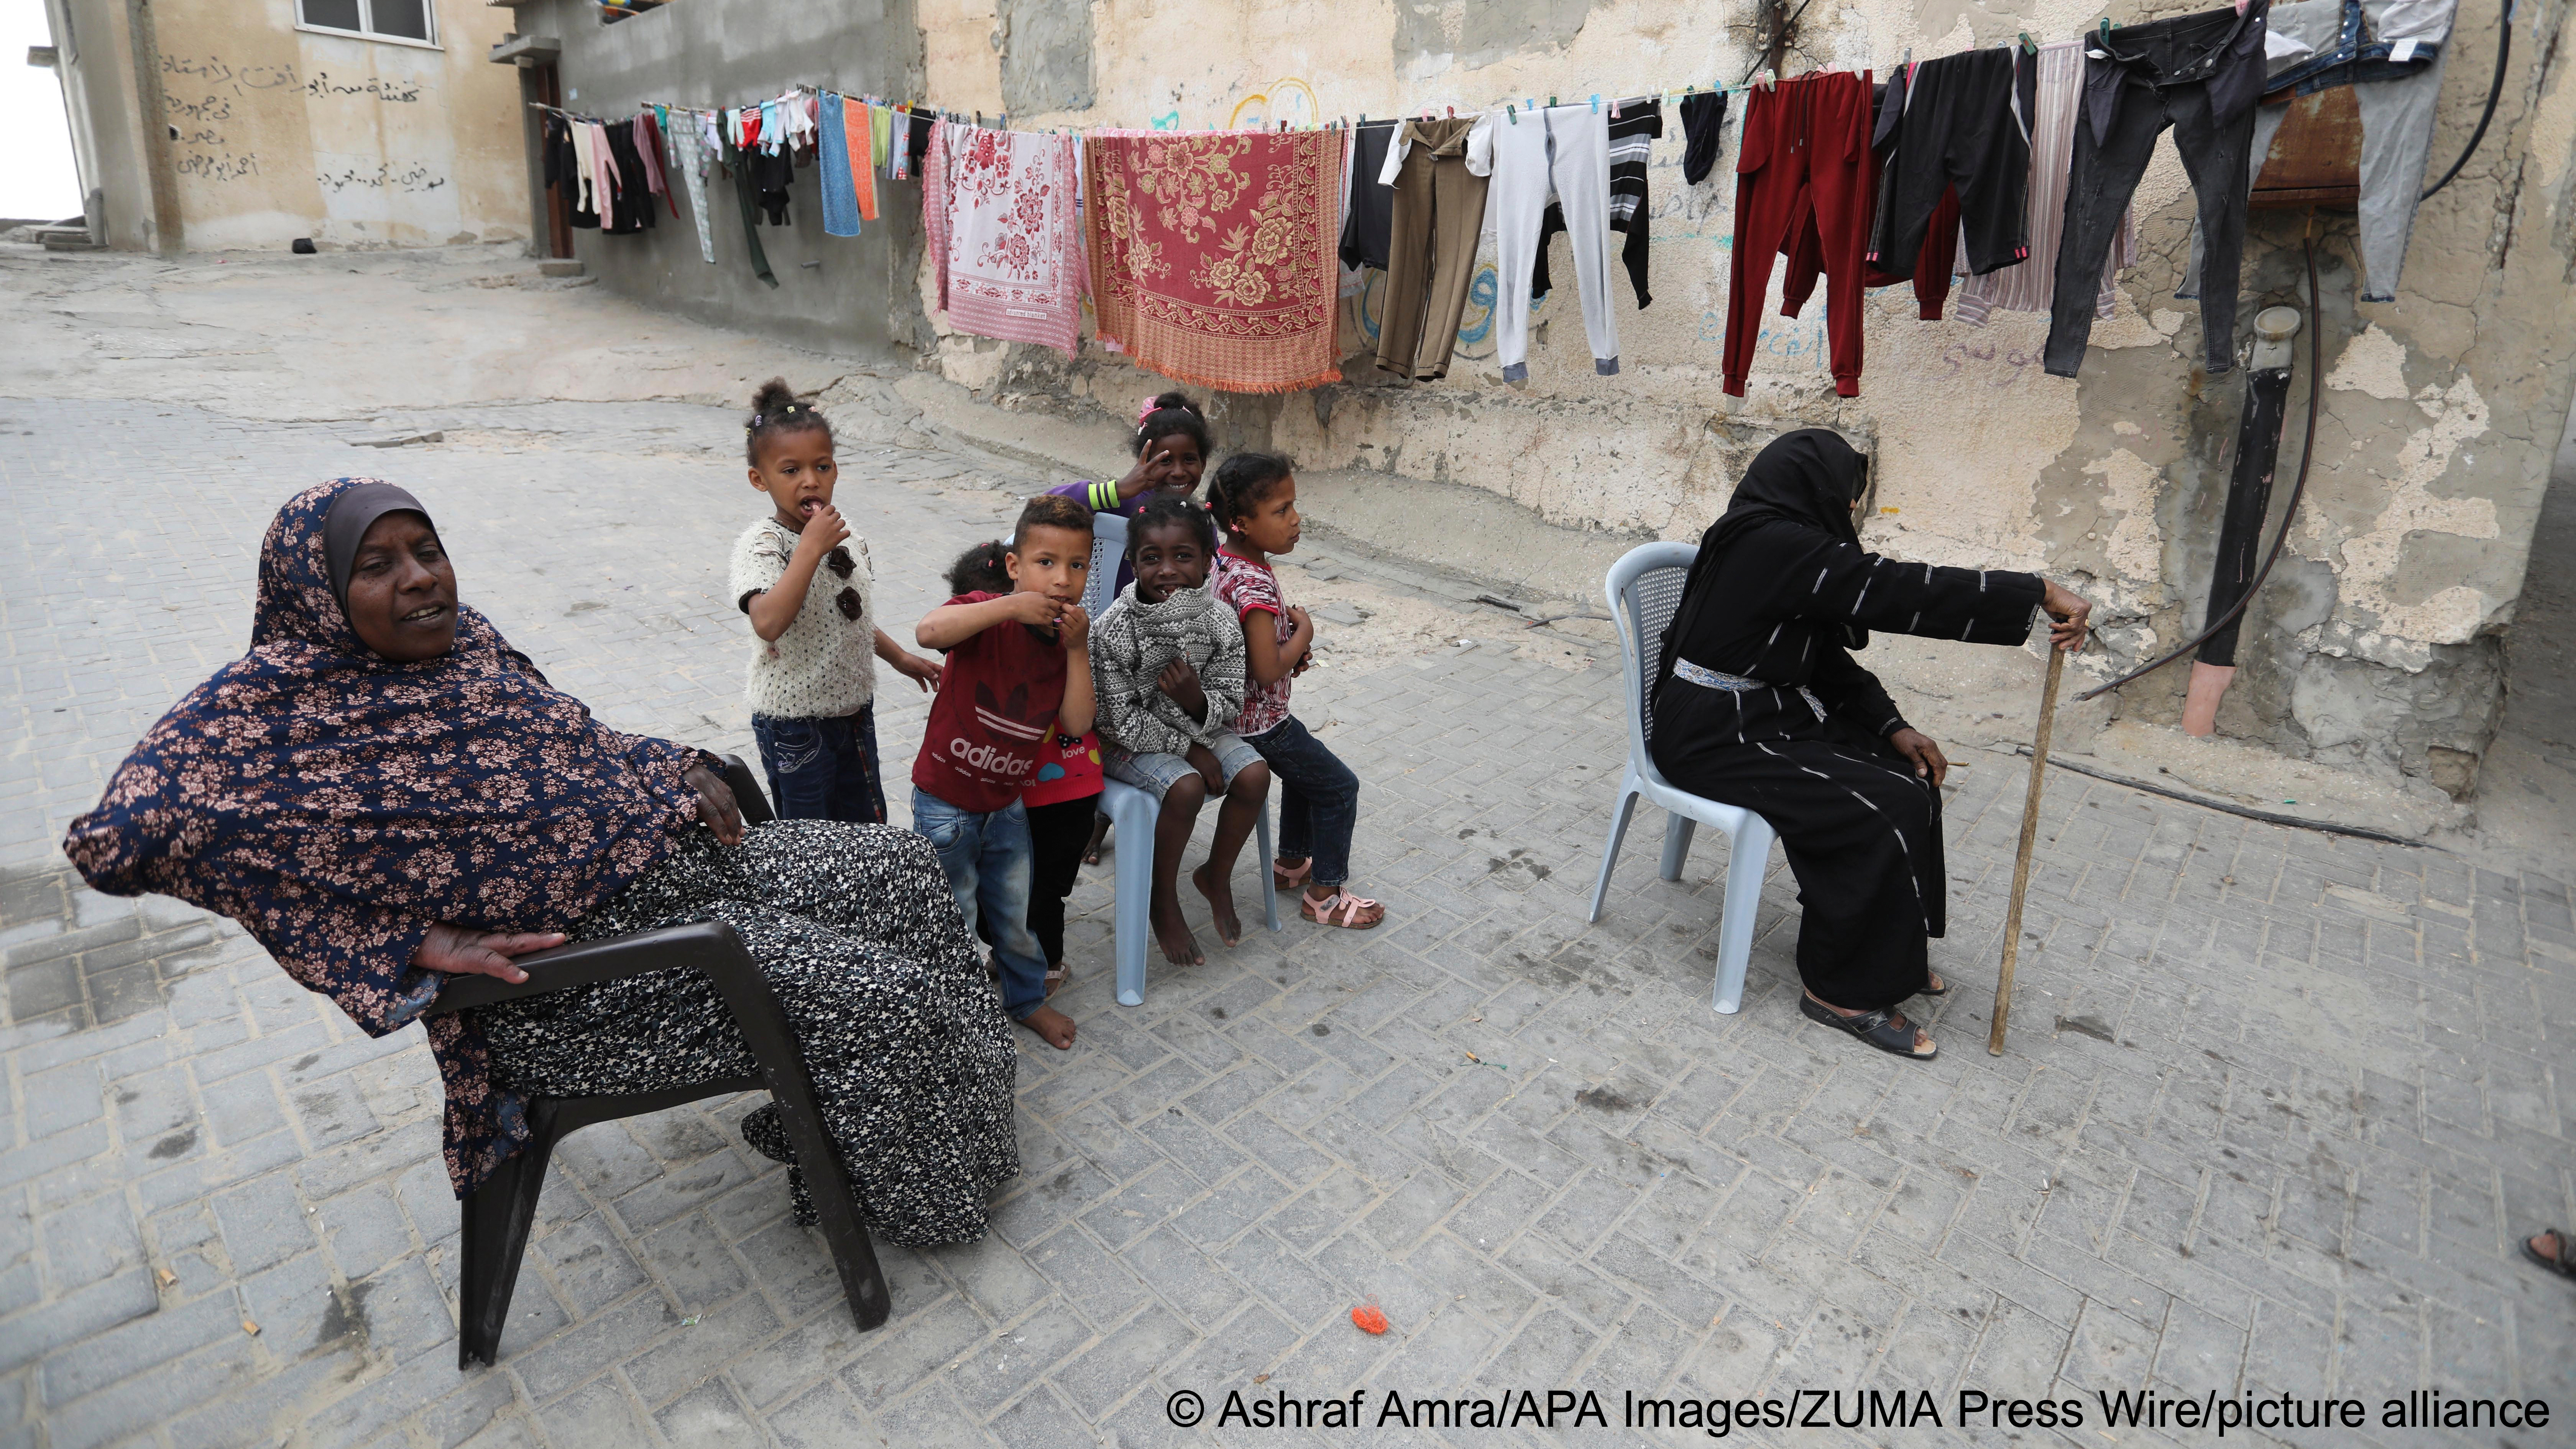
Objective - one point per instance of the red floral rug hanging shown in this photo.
(1212, 254)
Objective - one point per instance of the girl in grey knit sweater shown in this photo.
(1167, 669)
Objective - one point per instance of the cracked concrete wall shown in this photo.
(2376, 643)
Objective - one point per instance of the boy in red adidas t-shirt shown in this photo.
(1018, 667)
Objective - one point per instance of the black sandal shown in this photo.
(1928, 991)
(2558, 1265)
(1878, 1028)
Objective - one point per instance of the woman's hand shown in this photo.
(1929, 763)
(716, 807)
(460, 952)
(1180, 684)
(2069, 614)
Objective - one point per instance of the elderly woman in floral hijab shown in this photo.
(385, 794)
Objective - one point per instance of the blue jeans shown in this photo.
(988, 860)
(1319, 799)
(823, 769)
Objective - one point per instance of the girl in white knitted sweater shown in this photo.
(1167, 668)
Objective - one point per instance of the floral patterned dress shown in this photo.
(338, 805)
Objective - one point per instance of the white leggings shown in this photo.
(1560, 154)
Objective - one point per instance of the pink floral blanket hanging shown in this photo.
(1004, 238)
(1212, 254)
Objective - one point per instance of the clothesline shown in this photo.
(1024, 227)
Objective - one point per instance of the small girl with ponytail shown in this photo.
(806, 589)
(1254, 498)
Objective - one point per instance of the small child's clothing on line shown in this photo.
(812, 689)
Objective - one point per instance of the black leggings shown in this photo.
(1058, 834)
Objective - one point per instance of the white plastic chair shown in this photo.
(1132, 811)
(1645, 588)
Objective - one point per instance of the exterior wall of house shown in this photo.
(277, 131)
(2376, 642)
(841, 294)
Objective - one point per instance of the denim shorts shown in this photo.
(1155, 774)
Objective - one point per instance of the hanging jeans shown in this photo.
(1437, 213)
(1804, 157)
(1561, 154)
(2202, 75)
(2328, 48)
(840, 193)
(689, 159)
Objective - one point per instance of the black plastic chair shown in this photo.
(499, 1213)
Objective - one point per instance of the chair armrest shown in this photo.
(747, 795)
(585, 963)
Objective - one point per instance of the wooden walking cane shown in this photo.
(2021, 858)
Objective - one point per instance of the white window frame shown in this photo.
(366, 18)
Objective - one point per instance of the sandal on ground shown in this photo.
(1928, 991)
(1878, 1028)
(1354, 913)
(2559, 1264)
(1282, 878)
(1056, 976)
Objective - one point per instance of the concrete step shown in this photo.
(560, 267)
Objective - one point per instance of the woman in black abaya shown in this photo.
(1758, 703)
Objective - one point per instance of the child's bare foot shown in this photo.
(1220, 899)
(1051, 1024)
(1173, 931)
(1099, 834)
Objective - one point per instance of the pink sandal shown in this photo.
(1346, 905)
(1281, 878)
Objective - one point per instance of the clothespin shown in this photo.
(1596, 103)
(1551, 100)
(1511, 114)
(1453, 113)
(1614, 108)
(2026, 43)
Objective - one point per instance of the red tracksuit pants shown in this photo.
(1805, 152)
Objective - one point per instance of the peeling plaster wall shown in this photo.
(2376, 640)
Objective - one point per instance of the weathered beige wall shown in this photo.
(2375, 643)
(285, 133)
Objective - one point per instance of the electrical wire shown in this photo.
(2495, 90)
(2289, 514)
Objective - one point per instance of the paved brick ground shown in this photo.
(2277, 1104)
